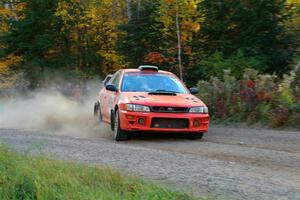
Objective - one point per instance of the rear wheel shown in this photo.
(195, 136)
(97, 111)
(119, 134)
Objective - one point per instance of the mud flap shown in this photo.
(112, 120)
(96, 108)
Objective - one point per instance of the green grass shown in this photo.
(25, 177)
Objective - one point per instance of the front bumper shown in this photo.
(130, 121)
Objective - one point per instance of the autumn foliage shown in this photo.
(256, 98)
(220, 41)
(157, 58)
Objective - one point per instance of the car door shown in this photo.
(109, 97)
(103, 97)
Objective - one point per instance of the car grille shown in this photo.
(169, 123)
(167, 109)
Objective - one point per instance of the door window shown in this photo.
(116, 79)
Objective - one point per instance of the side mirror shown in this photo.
(111, 87)
(194, 90)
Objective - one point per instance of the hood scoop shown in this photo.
(139, 97)
(162, 93)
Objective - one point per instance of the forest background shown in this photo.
(244, 55)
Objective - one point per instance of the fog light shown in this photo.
(196, 123)
(141, 121)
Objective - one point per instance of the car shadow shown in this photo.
(155, 136)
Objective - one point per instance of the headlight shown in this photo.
(199, 109)
(137, 108)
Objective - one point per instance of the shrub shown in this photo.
(255, 98)
(215, 64)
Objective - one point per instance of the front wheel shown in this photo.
(119, 134)
(195, 136)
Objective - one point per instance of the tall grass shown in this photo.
(24, 177)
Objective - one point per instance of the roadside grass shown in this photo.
(29, 177)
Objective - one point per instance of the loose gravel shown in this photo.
(229, 163)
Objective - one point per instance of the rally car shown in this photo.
(147, 99)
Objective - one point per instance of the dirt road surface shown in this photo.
(229, 163)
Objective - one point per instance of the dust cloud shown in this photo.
(54, 112)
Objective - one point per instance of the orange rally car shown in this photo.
(148, 99)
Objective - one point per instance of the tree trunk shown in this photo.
(139, 5)
(13, 9)
(128, 6)
(179, 41)
(114, 9)
(297, 66)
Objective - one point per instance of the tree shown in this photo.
(33, 36)
(104, 33)
(181, 20)
(192, 38)
(141, 35)
(293, 27)
(9, 70)
(128, 7)
(253, 28)
(75, 37)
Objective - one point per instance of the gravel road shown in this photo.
(229, 163)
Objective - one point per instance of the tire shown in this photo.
(119, 134)
(112, 120)
(195, 136)
(97, 111)
(96, 108)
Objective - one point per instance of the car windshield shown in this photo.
(151, 82)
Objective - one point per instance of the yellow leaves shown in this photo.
(293, 1)
(7, 75)
(7, 63)
(293, 24)
(92, 25)
(196, 27)
(169, 2)
(184, 5)
(194, 4)
(8, 12)
(189, 18)
(4, 15)
(112, 61)
(191, 25)
(10, 61)
(4, 11)
(4, 69)
(93, 13)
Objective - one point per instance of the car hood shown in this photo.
(179, 100)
